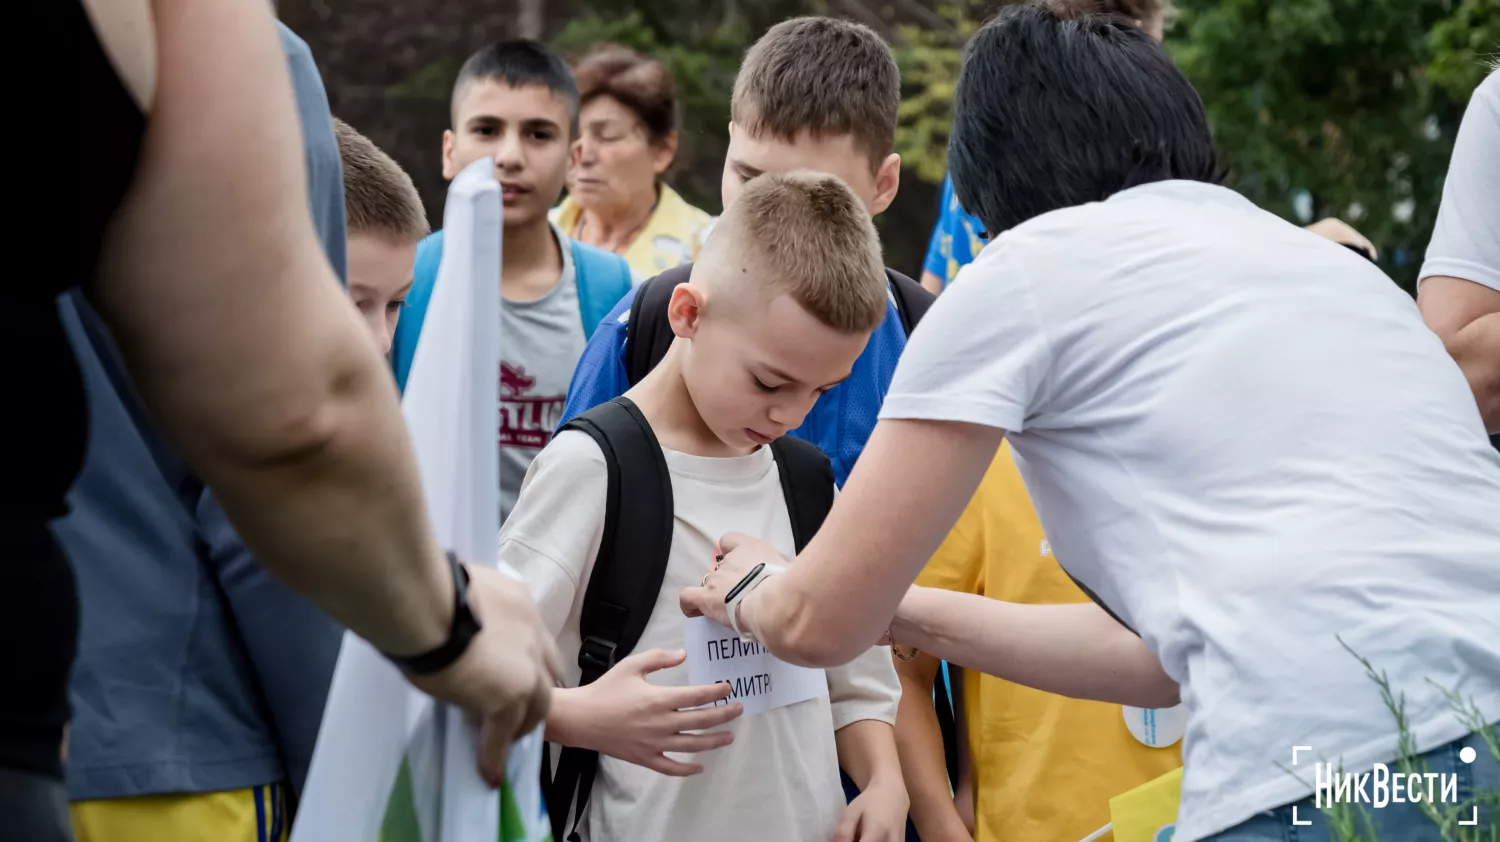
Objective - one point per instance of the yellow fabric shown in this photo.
(1045, 766)
(258, 814)
(671, 237)
(1148, 813)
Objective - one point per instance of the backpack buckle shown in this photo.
(596, 654)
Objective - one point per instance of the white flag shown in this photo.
(390, 764)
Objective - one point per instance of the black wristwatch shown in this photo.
(465, 628)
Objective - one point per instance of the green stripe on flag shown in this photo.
(400, 823)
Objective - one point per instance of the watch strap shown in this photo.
(463, 631)
(746, 586)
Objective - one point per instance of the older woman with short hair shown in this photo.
(627, 140)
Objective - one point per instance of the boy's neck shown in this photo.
(663, 398)
(530, 261)
(615, 228)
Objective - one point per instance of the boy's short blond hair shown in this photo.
(808, 235)
(379, 197)
(822, 76)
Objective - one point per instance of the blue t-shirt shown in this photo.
(956, 239)
(839, 423)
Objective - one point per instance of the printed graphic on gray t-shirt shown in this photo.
(540, 343)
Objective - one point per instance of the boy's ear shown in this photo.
(887, 182)
(685, 310)
(449, 169)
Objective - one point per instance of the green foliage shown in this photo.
(930, 60)
(1343, 820)
(1331, 100)
(1465, 46)
(1342, 108)
(434, 81)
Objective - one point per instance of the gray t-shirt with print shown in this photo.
(540, 343)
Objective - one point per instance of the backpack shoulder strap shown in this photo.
(912, 299)
(603, 279)
(807, 484)
(627, 576)
(409, 328)
(647, 334)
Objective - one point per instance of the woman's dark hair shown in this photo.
(642, 84)
(1053, 112)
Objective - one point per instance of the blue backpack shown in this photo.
(603, 279)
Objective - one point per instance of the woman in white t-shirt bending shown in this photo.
(1238, 434)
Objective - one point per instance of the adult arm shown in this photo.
(1466, 316)
(1344, 234)
(837, 599)
(919, 740)
(242, 344)
(1073, 650)
(1459, 290)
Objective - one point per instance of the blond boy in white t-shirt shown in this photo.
(779, 306)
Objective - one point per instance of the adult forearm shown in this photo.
(837, 599)
(244, 347)
(1072, 650)
(340, 517)
(1476, 349)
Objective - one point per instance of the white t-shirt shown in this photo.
(780, 778)
(1241, 436)
(1466, 241)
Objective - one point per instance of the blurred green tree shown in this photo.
(1341, 108)
(1320, 108)
(930, 58)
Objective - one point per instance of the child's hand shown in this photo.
(625, 716)
(877, 815)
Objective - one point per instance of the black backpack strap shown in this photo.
(627, 576)
(807, 484)
(648, 334)
(912, 299)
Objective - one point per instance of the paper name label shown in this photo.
(757, 679)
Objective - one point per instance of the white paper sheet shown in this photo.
(759, 680)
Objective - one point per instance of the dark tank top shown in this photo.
(71, 200)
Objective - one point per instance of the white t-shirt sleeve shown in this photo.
(980, 354)
(1466, 240)
(865, 688)
(553, 533)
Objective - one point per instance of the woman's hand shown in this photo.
(740, 555)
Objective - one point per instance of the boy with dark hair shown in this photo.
(516, 102)
(777, 311)
(385, 219)
(813, 93)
